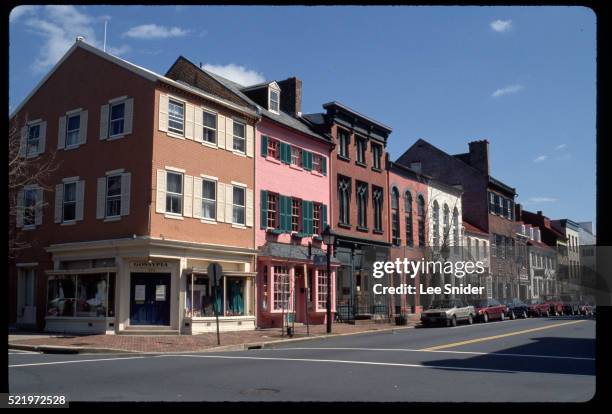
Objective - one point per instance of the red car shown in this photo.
(555, 306)
(490, 309)
(537, 307)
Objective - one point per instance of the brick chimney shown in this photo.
(291, 96)
(518, 211)
(479, 155)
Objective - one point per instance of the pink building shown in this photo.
(292, 195)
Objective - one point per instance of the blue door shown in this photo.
(150, 299)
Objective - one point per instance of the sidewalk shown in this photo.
(230, 341)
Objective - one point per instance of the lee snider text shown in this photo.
(405, 289)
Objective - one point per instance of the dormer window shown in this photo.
(274, 100)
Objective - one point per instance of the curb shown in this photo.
(53, 349)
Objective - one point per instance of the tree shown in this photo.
(24, 171)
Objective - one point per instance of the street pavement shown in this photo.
(537, 359)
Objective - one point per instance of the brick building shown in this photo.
(141, 203)
(487, 203)
(358, 200)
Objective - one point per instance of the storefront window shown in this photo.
(61, 292)
(322, 289)
(235, 296)
(281, 287)
(92, 292)
(202, 302)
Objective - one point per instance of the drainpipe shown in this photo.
(254, 259)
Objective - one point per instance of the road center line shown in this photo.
(445, 352)
(489, 338)
(74, 361)
(341, 361)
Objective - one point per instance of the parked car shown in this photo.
(448, 312)
(537, 307)
(516, 308)
(571, 306)
(489, 309)
(555, 304)
(586, 309)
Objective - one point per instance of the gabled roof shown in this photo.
(282, 117)
(145, 73)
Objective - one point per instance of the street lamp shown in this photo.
(329, 237)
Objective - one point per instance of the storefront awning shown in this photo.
(293, 252)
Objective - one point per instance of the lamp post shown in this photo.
(329, 238)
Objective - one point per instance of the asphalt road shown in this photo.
(542, 359)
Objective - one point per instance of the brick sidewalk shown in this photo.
(190, 343)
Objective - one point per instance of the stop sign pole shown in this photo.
(214, 272)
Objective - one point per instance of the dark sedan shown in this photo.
(489, 309)
(516, 308)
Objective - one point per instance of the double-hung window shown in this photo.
(209, 197)
(296, 156)
(316, 218)
(239, 137)
(376, 155)
(274, 148)
(73, 125)
(274, 100)
(29, 207)
(296, 210)
(272, 211)
(69, 202)
(343, 141)
(174, 192)
(344, 191)
(113, 195)
(322, 289)
(377, 195)
(317, 163)
(362, 204)
(176, 117)
(210, 127)
(239, 205)
(361, 150)
(117, 119)
(282, 286)
(33, 140)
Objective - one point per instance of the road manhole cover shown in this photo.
(259, 391)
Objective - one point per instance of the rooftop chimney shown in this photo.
(479, 155)
(539, 212)
(80, 38)
(291, 96)
(518, 211)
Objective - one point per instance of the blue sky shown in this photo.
(522, 77)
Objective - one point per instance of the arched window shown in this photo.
(446, 235)
(456, 240)
(408, 219)
(436, 224)
(395, 230)
(421, 219)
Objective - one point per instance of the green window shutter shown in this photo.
(285, 153)
(282, 214)
(263, 207)
(324, 165)
(310, 217)
(264, 145)
(306, 160)
(324, 216)
(304, 217)
(285, 203)
(310, 160)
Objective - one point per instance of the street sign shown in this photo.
(320, 260)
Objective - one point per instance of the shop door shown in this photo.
(150, 299)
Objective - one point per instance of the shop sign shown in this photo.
(139, 293)
(160, 293)
(146, 266)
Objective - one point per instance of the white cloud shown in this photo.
(59, 26)
(236, 73)
(540, 158)
(21, 11)
(538, 200)
(508, 90)
(154, 31)
(501, 26)
(560, 147)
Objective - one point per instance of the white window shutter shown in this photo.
(229, 134)
(220, 202)
(104, 121)
(101, 198)
(38, 218)
(126, 182)
(249, 207)
(42, 137)
(80, 199)
(160, 201)
(189, 115)
(197, 197)
(20, 206)
(249, 141)
(163, 112)
(83, 127)
(23, 142)
(128, 116)
(220, 131)
(61, 132)
(229, 203)
(59, 202)
(188, 196)
(198, 133)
